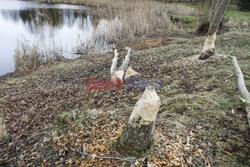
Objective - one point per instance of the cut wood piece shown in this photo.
(3, 132)
(242, 87)
(139, 131)
(130, 73)
(248, 114)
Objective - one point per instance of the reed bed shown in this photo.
(29, 56)
(131, 19)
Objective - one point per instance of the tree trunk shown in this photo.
(3, 132)
(242, 87)
(138, 134)
(218, 9)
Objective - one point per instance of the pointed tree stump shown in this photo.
(138, 134)
(242, 87)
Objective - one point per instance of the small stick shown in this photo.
(132, 159)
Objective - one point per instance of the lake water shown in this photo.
(66, 25)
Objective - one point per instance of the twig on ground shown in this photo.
(130, 159)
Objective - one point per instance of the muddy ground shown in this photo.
(201, 122)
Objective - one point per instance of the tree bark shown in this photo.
(138, 134)
(242, 87)
(218, 10)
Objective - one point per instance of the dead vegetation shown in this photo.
(52, 118)
(29, 56)
(201, 120)
(128, 20)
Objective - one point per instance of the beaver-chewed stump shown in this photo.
(138, 134)
(207, 54)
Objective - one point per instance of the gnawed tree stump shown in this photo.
(242, 87)
(131, 73)
(217, 12)
(119, 73)
(3, 132)
(138, 134)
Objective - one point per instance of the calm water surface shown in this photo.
(65, 25)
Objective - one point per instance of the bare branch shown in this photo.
(3, 132)
(130, 159)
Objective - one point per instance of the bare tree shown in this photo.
(242, 87)
(139, 131)
(217, 11)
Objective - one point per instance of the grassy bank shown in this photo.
(201, 122)
(200, 106)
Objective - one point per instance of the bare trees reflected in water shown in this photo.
(55, 18)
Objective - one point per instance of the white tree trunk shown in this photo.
(242, 87)
(139, 131)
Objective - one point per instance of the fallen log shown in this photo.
(3, 132)
(242, 87)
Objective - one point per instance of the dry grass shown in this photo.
(130, 19)
(138, 17)
(28, 56)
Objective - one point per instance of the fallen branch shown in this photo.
(131, 159)
(242, 87)
(3, 132)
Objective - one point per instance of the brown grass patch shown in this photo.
(147, 43)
